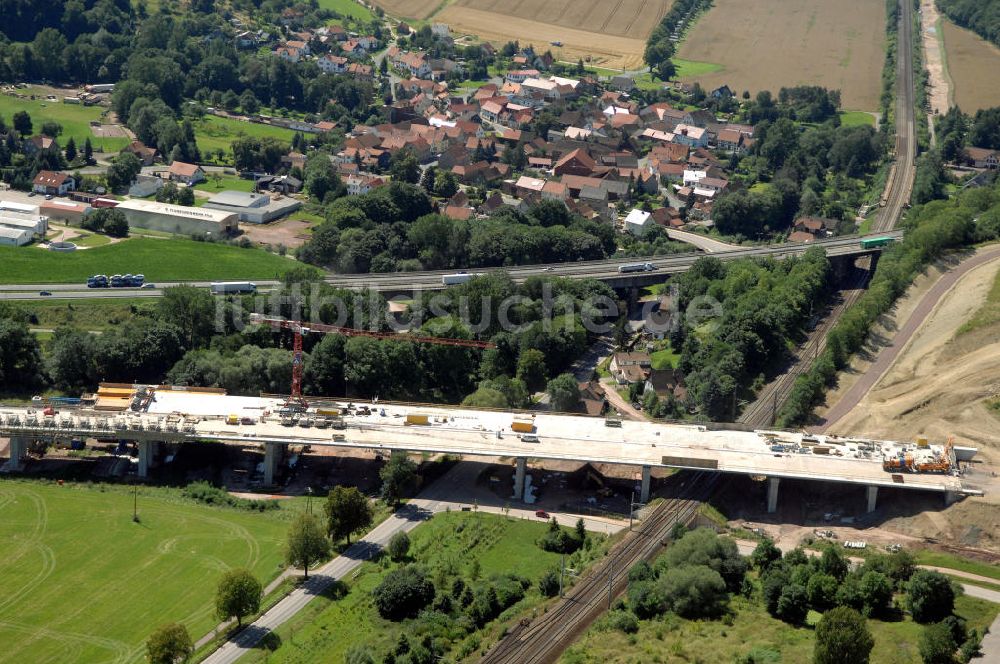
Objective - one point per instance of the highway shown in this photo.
(401, 282)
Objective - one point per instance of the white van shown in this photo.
(529, 438)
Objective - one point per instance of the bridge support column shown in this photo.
(644, 488)
(772, 494)
(147, 454)
(18, 450)
(950, 497)
(872, 497)
(273, 453)
(519, 469)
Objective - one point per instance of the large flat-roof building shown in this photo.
(14, 237)
(254, 208)
(71, 213)
(22, 217)
(177, 218)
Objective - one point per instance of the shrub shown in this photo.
(548, 585)
(403, 593)
(930, 596)
(694, 591)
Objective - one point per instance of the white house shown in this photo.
(333, 64)
(638, 222)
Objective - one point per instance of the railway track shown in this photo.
(769, 400)
(542, 640)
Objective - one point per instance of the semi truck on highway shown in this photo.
(460, 278)
(636, 267)
(873, 242)
(226, 287)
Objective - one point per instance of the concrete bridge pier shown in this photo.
(872, 497)
(147, 456)
(519, 470)
(273, 454)
(772, 494)
(18, 451)
(644, 489)
(950, 497)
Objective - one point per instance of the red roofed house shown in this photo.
(577, 162)
(189, 174)
(53, 183)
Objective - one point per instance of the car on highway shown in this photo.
(542, 514)
(147, 286)
(548, 269)
(48, 197)
(44, 293)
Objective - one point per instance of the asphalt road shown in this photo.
(889, 353)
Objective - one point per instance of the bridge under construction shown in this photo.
(153, 417)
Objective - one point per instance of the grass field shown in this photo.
(215, 133)
(664, 359)
(158, 260)
(82, 583)
(74, 118)
(853, 118)
(671, 639)
(972, 66)
(89, 314)
(839, 45)
(611, 34)
(347, 8)
(224, 183)
(92, 240)
(326, 629)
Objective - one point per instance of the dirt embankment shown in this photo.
(938, 387)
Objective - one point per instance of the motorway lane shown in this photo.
(431, 280)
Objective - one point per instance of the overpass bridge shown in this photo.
(154, 416)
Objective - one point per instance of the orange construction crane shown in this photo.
(299, 328)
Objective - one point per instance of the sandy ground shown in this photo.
(769, 44)
(973, 66)
(289, 232)
(939, 87)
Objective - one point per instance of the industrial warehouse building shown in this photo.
(254, 208)
(20, 224)
(177, 219)
(71, 213)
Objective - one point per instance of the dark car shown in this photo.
(542, 514)
(44, 293)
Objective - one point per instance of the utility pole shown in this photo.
(135, 503)
(309, 495)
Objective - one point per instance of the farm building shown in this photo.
(253, 208)
(13, 237)
(177, 219)
(71, 213)
(21, 217)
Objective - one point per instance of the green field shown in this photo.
(92, 240)
(225, 183)
(83, 583)
(215, 133)
(74, 118)
(940, 559)
(693, 68)
(447, 544)
(90, 314)
(671, 639)
(347, 8)
(665, 359)
(988, 314)
(852, 118)
(158, 260)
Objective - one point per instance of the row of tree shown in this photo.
(931, 229)
(980, 16)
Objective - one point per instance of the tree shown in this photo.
(764, 555)
(445, 184)
(169, 644)
(875, 590)
(832, 562)
(192, 310)
(531, 368)
(88, 151)
(347, 511)
(404, 167)
(694, 591)
(70, 150)
(22, 123)
(114, 223)
(238, 595)
(399, 546)
(71, 360)
(930, 596)
(937, 644)
(123, 170)
(398, 476)
(548, 585)
(51, 129)
(564, 393)
(402, 593)
(793, 604)
(20, 355)
(842, 637)
(307, 542)
(185, 196)
(822, 590)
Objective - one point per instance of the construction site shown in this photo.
(155, 420)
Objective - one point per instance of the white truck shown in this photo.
(460, 278)
(226, 287)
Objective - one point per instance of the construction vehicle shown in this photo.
(232, 419)
(417, 418)
(926, 462)
(298, 328)
(613, 421)
(523, 426)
